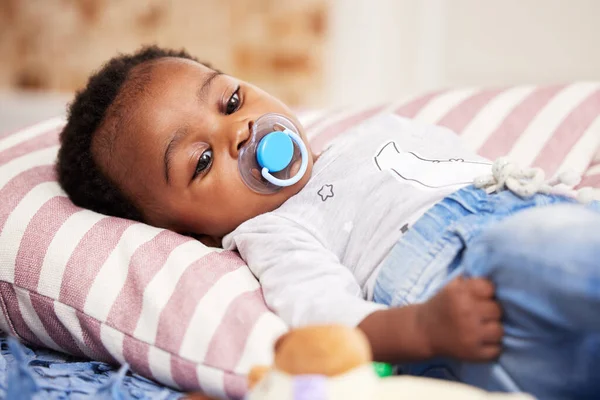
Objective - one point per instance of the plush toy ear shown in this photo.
(256, 374)
(280, 341)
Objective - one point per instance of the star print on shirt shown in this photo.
(325, 192)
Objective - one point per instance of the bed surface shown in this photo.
(27, 373)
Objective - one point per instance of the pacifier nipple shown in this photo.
(269, 159)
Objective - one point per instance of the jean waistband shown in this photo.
(452, 208)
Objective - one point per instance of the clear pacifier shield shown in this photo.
(275, 153)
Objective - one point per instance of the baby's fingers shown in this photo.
(492, 333)
(489, 311)
(490, 352)
(481, 287)
(491, 342)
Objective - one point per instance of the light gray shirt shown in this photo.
(317, 255)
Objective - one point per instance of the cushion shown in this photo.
(190, 316)
(186, 315)
(592, 176)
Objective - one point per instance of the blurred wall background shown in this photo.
(55, 44)
(310, 53)
(382, 49)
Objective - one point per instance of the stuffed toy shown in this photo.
(334, 362)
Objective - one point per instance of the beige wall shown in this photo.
(55, 44)
(383, 49)
(312, 52)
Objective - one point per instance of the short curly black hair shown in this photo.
(78, 174)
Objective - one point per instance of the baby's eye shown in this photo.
(204, 162)
(233, 104)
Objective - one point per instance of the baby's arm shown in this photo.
(304, 283)
(461, 321)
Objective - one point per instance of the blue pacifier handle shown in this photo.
(303, 166)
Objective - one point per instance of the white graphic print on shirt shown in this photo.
(409, 167)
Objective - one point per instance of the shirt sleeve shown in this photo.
(302, 281)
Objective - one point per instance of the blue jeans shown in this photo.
(543, 255)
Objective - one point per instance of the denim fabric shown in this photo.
(45, 374)
(543, 255)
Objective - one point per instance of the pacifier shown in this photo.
(267, 160)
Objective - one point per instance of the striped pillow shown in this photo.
(592, 175)
(190, 316)
(114, 290)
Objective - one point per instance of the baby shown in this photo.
(382, 230)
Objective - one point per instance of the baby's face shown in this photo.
(175, 155)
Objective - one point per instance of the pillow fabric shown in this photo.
(190, 316)
(592, 175)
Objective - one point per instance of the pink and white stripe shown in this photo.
(592, 176)
(193, 317)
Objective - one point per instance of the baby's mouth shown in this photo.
(252, 163)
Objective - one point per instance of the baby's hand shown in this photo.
(463, 320)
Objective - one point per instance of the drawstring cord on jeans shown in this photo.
(526, 182)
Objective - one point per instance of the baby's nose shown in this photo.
(242, 134)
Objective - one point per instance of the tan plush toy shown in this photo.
(334, 363)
